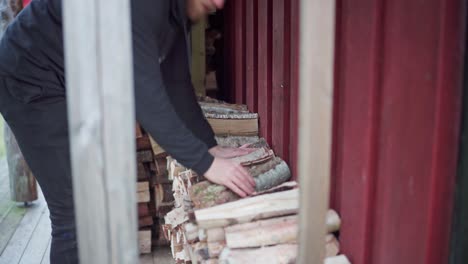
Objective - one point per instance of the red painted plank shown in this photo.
(251, 54)
(264, 67)
(280, 79)
(444, 152)
(239, 59)
(357, 99)
(294, 86)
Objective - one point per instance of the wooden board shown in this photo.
(39, 242)
(235, 127)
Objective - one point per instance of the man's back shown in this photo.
(31, 51)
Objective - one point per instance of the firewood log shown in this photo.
(222, 108)
(206, 194)
(332, 246)
(176, 217)
(143, 209)
(235, 141)
(249, 209)
(156, 148)
(215, 248)
(282, 230)
(145, 221)
(333, 221)
(279, 254)
(143, 143)
(259, 156)
(145, 156)
(143, 192)
(270, 174)
(144, 241)
(215, 234)
(341, 259)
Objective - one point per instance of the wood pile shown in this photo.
(155, 197)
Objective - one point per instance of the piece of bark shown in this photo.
(176, 217)
(280, 188)
(215, 234)
(144, 156)
(145, 221)
(206, 194)
(333, 221)
(143, 210)
(215, 248)
(144, 241)
(332, 246)
(282, 230)
(278, 254)
(223, 108)
(234, 127)
(235, 141)
(232, 116)
(249, 209)
(143, 143)
(261, 143)
(258, 156)
(341, 259)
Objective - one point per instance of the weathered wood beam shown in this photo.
(99, 75)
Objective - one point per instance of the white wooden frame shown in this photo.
(317, 39)
(99, 73)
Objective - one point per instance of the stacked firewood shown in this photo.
(154, 192)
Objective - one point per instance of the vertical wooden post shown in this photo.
(99, 73)
(316, 99)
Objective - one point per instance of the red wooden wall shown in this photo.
(396, 117)
(261, 51)
(397, 103)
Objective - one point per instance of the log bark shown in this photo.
(282, 230)
(259, 156)
(222, 108)
(277, 174)
(249, 209)
(23, 186)
(235, 141)
(280, 188)
(234, 127)
(138, 131)
(233, 116)
(206, 194)
(143, 172)
(279, 254)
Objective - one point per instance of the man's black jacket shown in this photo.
(32, 63)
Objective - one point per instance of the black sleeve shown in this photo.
(153, 108)
(176, 75)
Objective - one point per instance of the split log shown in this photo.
(341, 259)
(235, 141)
(163, 193)
(234, 127)
(163, 209)
(155, 146)
(206, 194)
(191, 232)
(279, 254)
(332, 246)
(23, 186)
(270, 174)
(258, 156)
(143, 192)
(333, 221)
(144, 241)
(143, 209)
(280, 188)
(176, 217)
(174, 168)
(268, 232)
(249, 209)
(223, 108)
(143, 172)
(145, 156)
(145, 221)
(143, 143)
(215, 248)
(215, 235)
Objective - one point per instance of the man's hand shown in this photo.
(231, 175)
(230, 152)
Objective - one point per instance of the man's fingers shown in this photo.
(234, 188)
(243, 184)
(246, 175)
